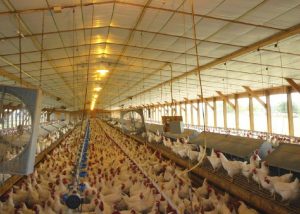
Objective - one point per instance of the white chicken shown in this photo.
(214, 160)
(283, 178)
(287, 191)
(232, 167)
(243, 209)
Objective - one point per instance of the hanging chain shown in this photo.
(261, 68)
(42, 49)
(281, 64)
(20, 51)
(198, 65)
(161, 87)
(73, 65)
(171, 88)
(226, 78)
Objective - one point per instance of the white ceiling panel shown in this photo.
(25, 5)
(118, 36)
(253, 36)
(173, 5)
(202, 7)
(162, 42)
(286, 20)
(8, 25)
(125, 16)
(163, 34)
(230, 32)
(225, 10)
(178, 24)
(205, 28)
(268, 11)
(153, 20)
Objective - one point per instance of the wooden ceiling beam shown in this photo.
(242, 51)
(147, 6)
(293, 84)
(226, 99)
(26, 84)
(253, 94)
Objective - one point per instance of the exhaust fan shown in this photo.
(132, 121)
(20, 110)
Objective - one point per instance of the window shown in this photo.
(195, 116)
(220, 116)
(201, 113)
(244, 119)
(230, 115)
(159, 114)
(189, 113)
(178, 110)
(183, 113)
(279, 114)
(260, 115)
(210, 115)
(296, 113)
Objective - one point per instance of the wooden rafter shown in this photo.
(242, 51)
(252, 93)
(212, 107)
(293, 84)
(226, 99)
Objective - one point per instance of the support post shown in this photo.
(186, 115)
(206, 114)
(215, 111)
(225, 113)
(237, 112)
(192, 113)
(268, 110)
(198, 113)
(251, 113)
(290, 111)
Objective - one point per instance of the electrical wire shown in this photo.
(87, 73)
(200, 159)
(42, 48)
(20, 52)
(73, 60)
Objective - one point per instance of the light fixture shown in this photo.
(93, 105)
(103, 72)
(97, 89)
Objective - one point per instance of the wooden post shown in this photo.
(251, 113)
(16, 117)
(290, 111)
(237, 112)
(225, 113)
(206, 114)
(268, 110)
(198, 113)
(159, 113)
(192, 113)
(215, 111)
(186, 115)
(180, 109)
(175, 109)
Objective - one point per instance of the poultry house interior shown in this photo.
(149, 106)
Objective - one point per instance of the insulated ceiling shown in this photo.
(139, 41)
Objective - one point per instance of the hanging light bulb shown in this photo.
(97, 89)
(103, 72)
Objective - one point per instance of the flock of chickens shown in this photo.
(259, 171)
(175, 183)
(42, 143)
(41, 191)
(126, 177)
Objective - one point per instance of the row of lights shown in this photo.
(102, 73)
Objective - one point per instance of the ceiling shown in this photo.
(139, 41)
